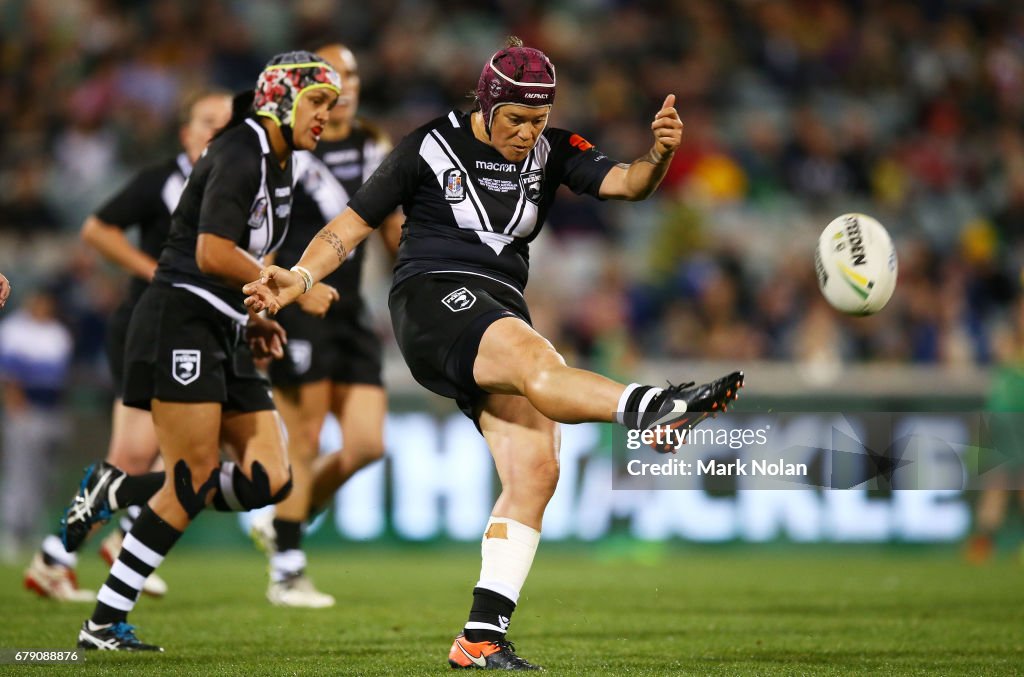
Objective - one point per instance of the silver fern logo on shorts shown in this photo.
(459, 300)
(301, 353)
(185, 366)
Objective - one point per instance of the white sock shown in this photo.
(286, 564)
(507, 553)
(53, 547)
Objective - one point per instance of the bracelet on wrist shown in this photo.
(307, 277)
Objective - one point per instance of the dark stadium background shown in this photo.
(796, 111)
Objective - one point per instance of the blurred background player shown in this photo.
(476, 188)
(35, 352)
(331, 364)
(1006, 402)
(187, 358)
(5, 290)
(145, 203)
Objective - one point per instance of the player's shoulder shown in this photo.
(566, 141)
(239, 143)
(156, 173)
(445, 124)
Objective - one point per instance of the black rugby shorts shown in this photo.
(181, 349)
(341, 347)
(439, 319)
(117, 338)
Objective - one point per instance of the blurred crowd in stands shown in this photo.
(796, 111)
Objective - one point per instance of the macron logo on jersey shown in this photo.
(496, 166)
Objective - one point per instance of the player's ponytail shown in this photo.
(241, 108)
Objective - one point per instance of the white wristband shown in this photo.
(307, 277)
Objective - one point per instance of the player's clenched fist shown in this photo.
(667, 128)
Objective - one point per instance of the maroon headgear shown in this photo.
(518, 75)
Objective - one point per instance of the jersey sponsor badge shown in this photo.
(454, 185)
(459, 300)
(531, 184)
(185, 365)
(300, 352)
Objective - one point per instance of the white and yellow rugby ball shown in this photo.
(856, 264)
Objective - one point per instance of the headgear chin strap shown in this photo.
(284, 80)
(515, 75)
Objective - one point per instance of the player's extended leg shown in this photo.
(133, 447)
(188, 435)
(990, 513)
(360, 409)
(514, 359)
(524, 444)
(303, 409)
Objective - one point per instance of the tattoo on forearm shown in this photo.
(330, 238)
(653, 157)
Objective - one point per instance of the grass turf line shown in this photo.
(603, 609)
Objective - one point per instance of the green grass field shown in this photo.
(605, 609)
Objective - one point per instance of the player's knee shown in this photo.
(309, 436)
(193, 484)
(534, 487)
(544, 478)
(542, 367)
(261, 487)
(366, 452)
(131, 458)
(279, 482)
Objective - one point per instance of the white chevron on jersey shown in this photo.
(469, 213)
(524, 219)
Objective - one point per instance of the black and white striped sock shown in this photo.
(129, 517)
(637, 405)
(143, 550)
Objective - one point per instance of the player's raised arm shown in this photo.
(278, 287)
(639, 179)
(5, 290)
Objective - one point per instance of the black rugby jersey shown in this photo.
(469, 209)
(147, 202)
(238, 191)
(325, 180)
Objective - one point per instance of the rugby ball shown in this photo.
(856, 264)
